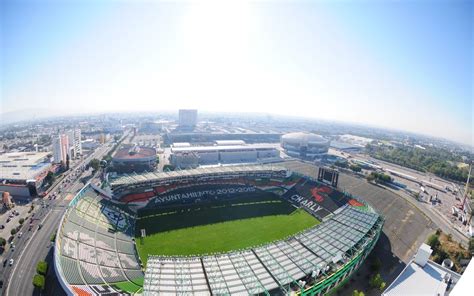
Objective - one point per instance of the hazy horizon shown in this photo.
(353, 62)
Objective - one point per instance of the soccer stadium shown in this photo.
(240, 230)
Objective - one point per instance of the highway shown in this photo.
(35, 245)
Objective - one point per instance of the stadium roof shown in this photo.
(135, 178)
(223, 147)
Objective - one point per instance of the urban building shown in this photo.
(22, 173)
(60, 148)
(305, 145)
(184, 155)
(187, 118)
(74, 143)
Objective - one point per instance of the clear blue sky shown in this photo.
(397, 64)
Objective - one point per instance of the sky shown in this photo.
(405, 65)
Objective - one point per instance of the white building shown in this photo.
(75, 144)
(223, 154)
(187, 117)
(60, 148)
(422, 276)
(21, 173)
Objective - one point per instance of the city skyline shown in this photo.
(350, 62)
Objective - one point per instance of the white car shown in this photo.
(11, 262)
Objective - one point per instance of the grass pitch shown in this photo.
(239, 223)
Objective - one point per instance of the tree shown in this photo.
(39, 281)
(21, 221)
(471, 245)
(94, 164)
(370, 177)
(50, 177)
(355, 168)
(357, 293)
(168, 167)
(433, 242)
(375, 264)
(42, 267)
(3, 241)
(376, 282)
(13, 231)
(67, 162)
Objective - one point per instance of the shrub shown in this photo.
(471, 245)
(39, 281)
(53, 237)
(376, 282)
(42, 267)
(433, 242)
(357, 293)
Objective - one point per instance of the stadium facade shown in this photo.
(304, 145)
(95, 252)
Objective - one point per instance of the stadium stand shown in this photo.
(95, 247)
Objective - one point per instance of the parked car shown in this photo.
(11, 262)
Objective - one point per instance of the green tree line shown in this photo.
(433, 160)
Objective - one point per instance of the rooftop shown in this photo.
(431, 279)
(23, 165)
(134, 153)
(223, 147)
(131, 179)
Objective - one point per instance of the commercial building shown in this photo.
(60, 148)
(187, 118)
(134, 159)
(305, 145)
(22, 173)
(223, 152)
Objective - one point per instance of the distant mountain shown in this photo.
(27, 115)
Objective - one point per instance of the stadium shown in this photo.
(211, 231)
(304, 145)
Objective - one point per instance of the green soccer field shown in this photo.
(239, 223)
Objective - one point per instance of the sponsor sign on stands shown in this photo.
(190, 196)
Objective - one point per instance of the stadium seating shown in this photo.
(95, 245)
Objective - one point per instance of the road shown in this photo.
(34, 245)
